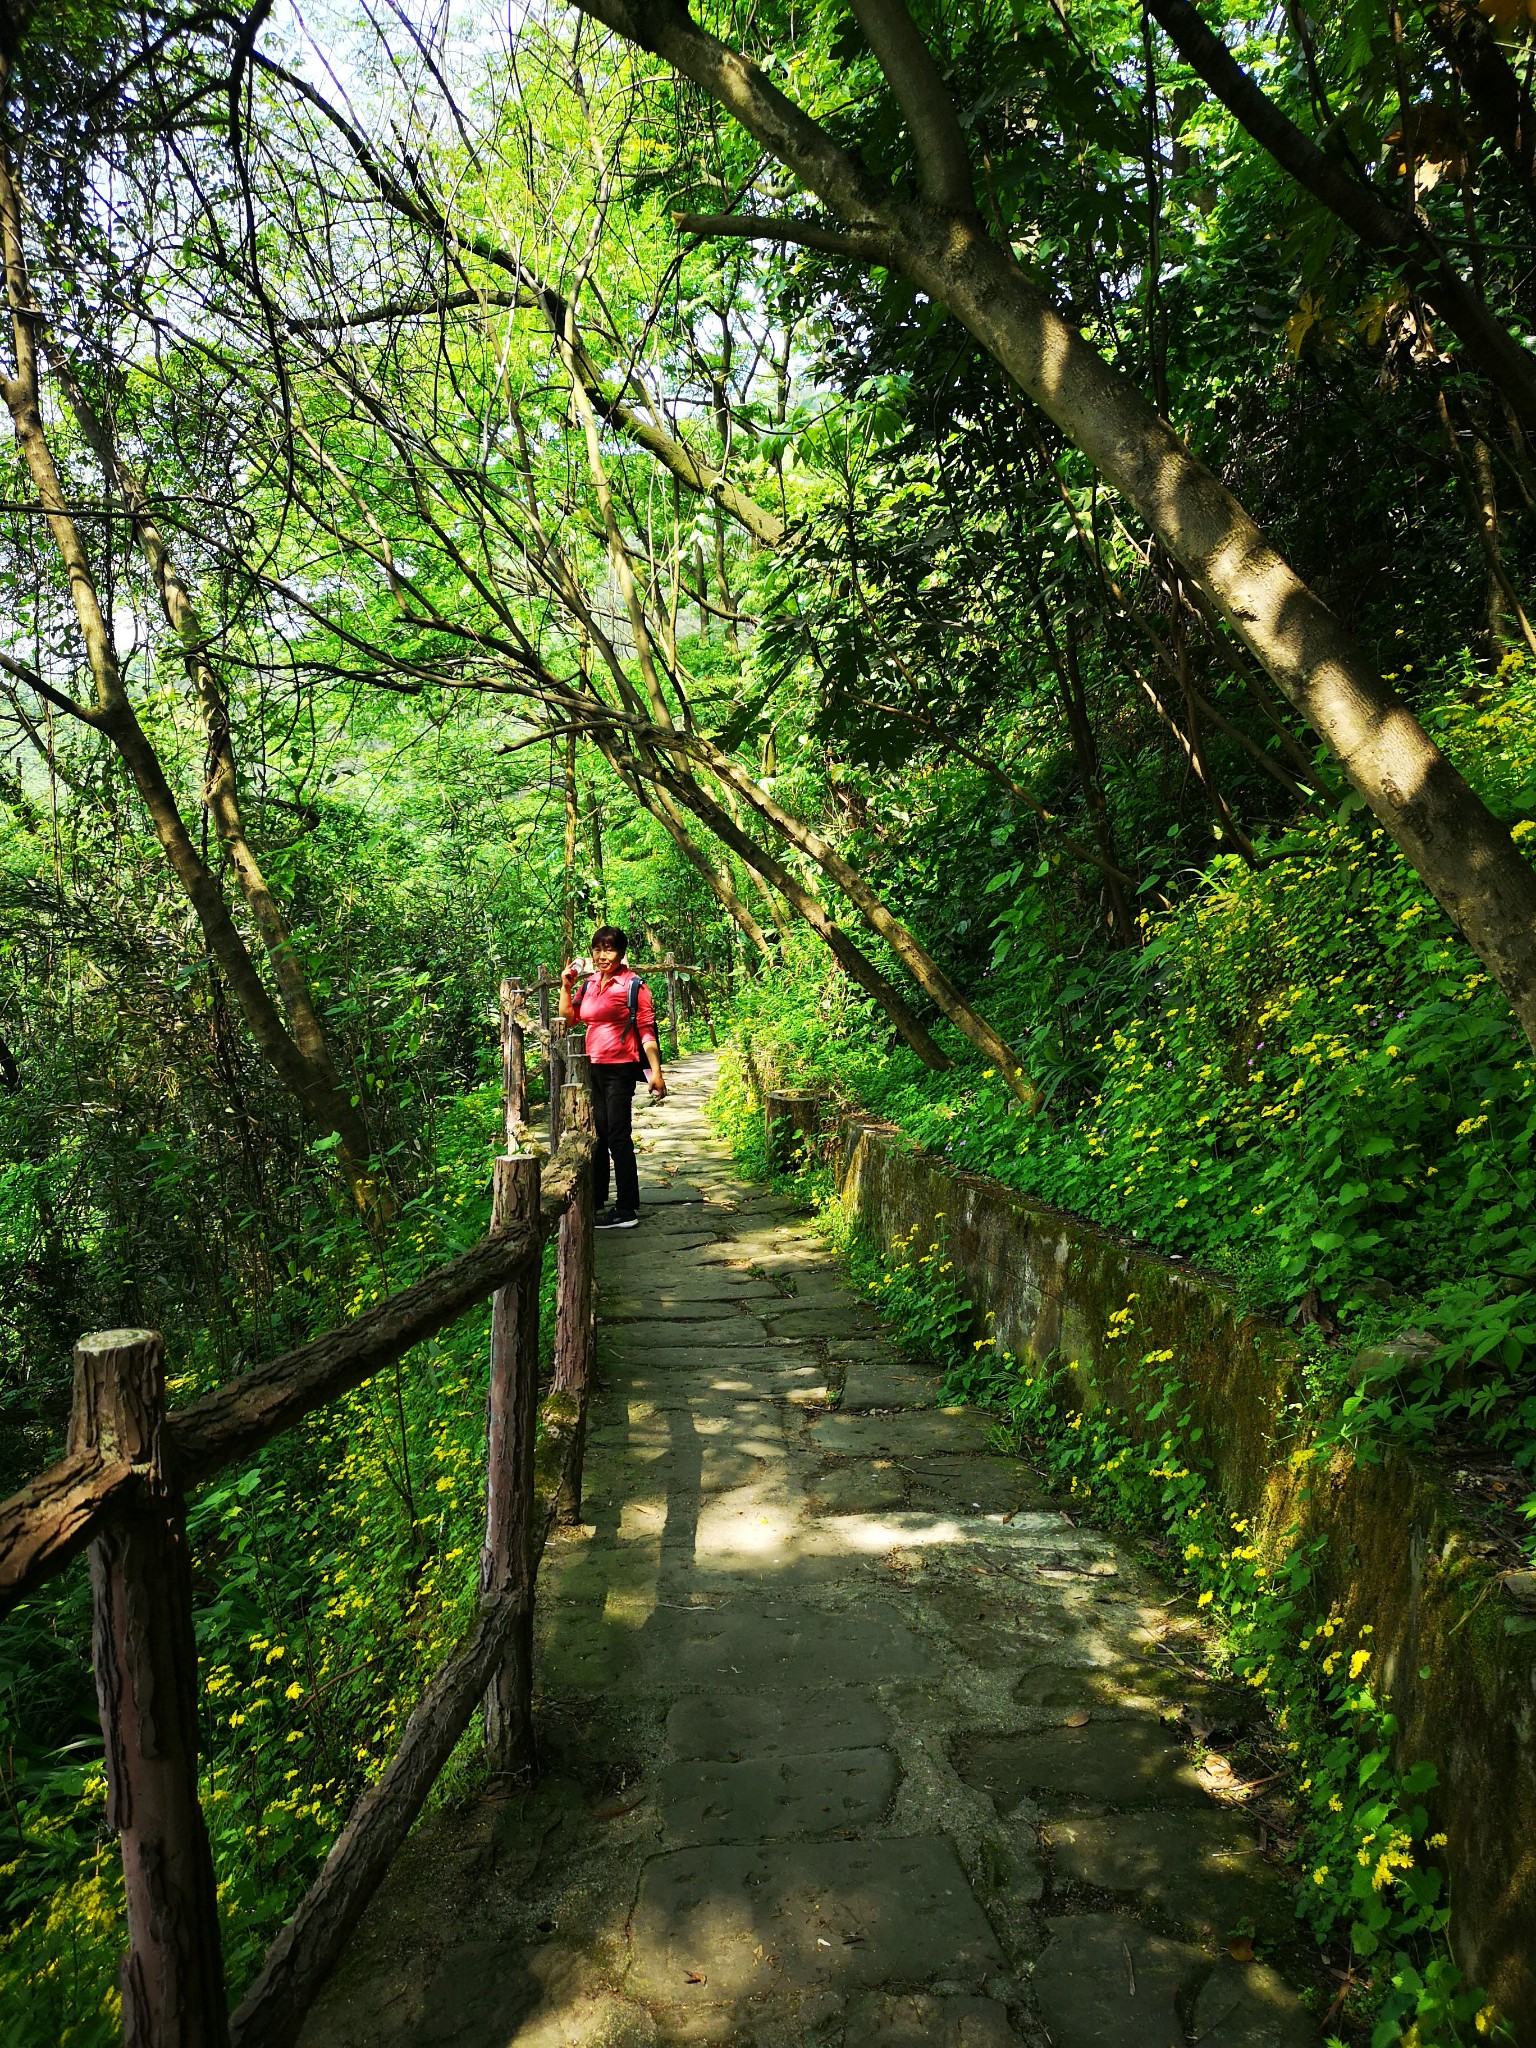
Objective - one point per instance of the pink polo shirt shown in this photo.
(603, 1007)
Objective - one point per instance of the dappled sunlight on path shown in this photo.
(851, 1735)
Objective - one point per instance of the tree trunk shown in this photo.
(1465, 857)
(918, 962)
(1074, 702)
(221, 794)
(568, 896)
(273, 2010)
(1505, 362)
(716, 879)
(794, 892)
(321, 1095)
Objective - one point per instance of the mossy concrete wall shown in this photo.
(1046, 1283)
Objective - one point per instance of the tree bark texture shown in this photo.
(54, 1516)
(514, 1066)
(298, 1962)
(573, 1300)
(145, 1657)
(507, 1562)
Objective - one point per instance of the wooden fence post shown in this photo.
(514, 1065)
(511, 1425)
(573, 1298)
(670, 963)
(145, 1655)
(557, 1080)
(543, 988)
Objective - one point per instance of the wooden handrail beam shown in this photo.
(243, 1414)
(303, 1955)
(121, 1489)
(55, 1515)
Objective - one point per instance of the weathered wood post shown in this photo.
(514, 1065)
(573, 1298)
(670, 963)
(696, 986)
(145, 1655)
(510, 1427)
(543, 988)
(557, 1080)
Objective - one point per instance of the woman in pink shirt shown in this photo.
(616, 1007)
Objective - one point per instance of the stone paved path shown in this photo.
(853, 1738)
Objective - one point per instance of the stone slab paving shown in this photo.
(852, 1737)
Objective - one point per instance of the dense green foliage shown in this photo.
(1296, 1080)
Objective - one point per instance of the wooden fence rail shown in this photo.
(121, 1490)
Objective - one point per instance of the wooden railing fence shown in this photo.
(536, 1017)
(121, 1492)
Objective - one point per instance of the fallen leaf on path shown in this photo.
(1079, 1719)
(1240, 1949)
(695, 1977)
(615, 1809)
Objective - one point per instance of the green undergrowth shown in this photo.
(1367, 1865)
(332, 1572)
(1301, 1079)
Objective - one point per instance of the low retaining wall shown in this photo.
(1398, 1557)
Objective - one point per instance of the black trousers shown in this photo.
(613, 1090)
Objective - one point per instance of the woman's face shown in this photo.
(605, 958)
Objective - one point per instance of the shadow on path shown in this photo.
(851, 1737)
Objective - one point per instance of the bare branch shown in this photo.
(871, 246)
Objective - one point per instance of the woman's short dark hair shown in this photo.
(609, 935)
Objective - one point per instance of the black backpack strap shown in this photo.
(634, 1015)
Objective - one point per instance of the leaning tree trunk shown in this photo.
(1464, 856)
(843, 950)
(914, 956)
(221, 793)
(113, 714)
